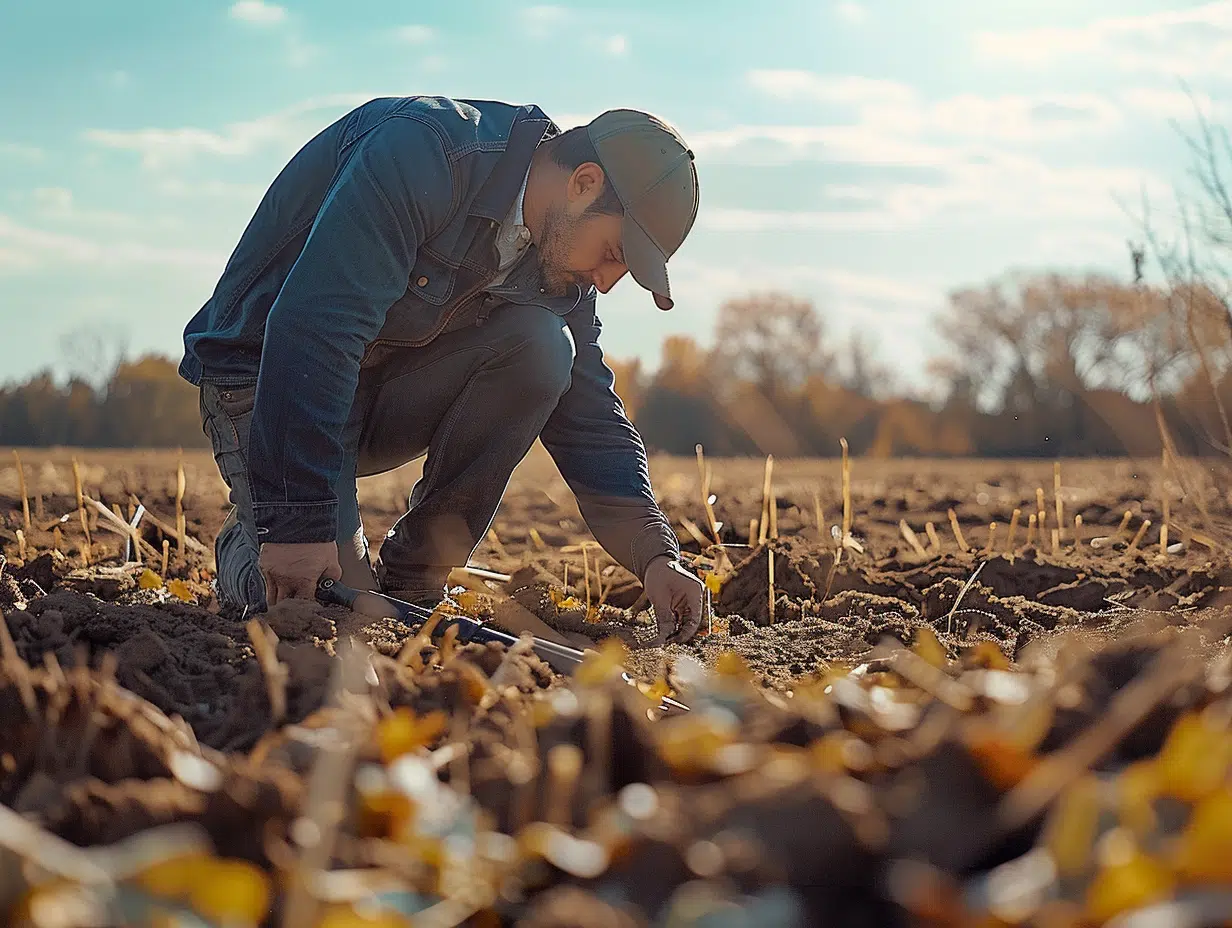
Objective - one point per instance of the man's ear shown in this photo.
(585, 184)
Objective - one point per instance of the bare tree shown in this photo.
(92, 353)
(772, 340)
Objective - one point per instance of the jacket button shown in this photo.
(423, 281)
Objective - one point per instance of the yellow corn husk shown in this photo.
(174, 877)
(467, 600)
(1204, 851)
(179, 589)
(658, 690)
(988, 656)
(1195, 758)
(929, 648)
(602, 664)
(1002, 761)
(731, 664)
(690, 745)
(1071, 830)
(402, 732)
(384, 813)
(233, 892)
(1133, 883)
(1137, 786)
(345, 916)
(1005, 748)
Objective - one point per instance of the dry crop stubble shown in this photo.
(987, 674)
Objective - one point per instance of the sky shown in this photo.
(868, 155)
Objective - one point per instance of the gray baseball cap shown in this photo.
(651, 169)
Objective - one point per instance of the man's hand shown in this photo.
(678, 598)
(292, 571)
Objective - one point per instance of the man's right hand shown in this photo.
(292, 571)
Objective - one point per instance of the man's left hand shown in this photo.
(678, 598)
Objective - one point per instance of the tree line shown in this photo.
(1035, 365)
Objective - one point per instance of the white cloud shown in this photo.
(541, 21)
(198, 188)
(899, 108)
(616, 45)
(974, 190)
(415, 34)
(1173, 104)
(1185, 42)
(26, 247)
(53, 199)
(852, 13)
(57, 205)
(285, 129)
(301, 53)
(258, 12)
(21, 151)
(981, 153)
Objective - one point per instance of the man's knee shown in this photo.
(544, 352)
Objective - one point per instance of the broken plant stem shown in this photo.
(958, 535)
(910, 537)
(264, 645)
(770, 576)
(21, 486)
(764, 523)
(1031, 523)
(934, 543)
(1013, 530)
(846, 476)
(1056, 496)
(1133, 545)
(703, 473)
(1163, 530)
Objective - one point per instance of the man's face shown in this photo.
(580, 246)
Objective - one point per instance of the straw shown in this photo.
(1009, 536)
(21, 483)
(958, 535)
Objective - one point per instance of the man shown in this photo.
(421, 278)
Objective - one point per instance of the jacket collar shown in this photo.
(495, 198)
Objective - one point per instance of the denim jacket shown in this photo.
(376, 237)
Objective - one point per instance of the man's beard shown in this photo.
(558, 235)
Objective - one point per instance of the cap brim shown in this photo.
(646, 262)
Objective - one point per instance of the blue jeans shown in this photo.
(472, 400)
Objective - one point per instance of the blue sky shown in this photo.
(869, 155)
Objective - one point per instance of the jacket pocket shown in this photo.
(432, 280)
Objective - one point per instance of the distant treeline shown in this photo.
(1045, 365)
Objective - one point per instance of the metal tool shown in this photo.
(564, 658)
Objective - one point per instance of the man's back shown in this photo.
(445, 151)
